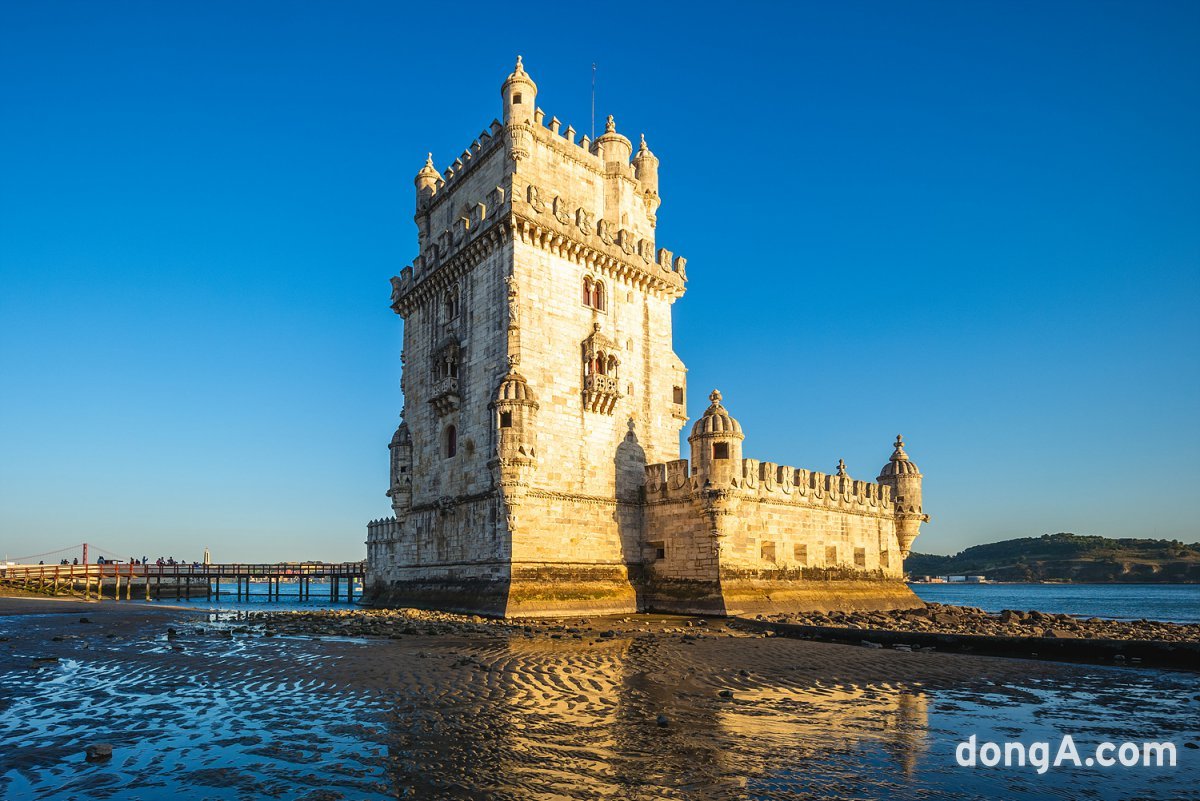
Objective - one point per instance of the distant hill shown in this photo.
(1068, 557)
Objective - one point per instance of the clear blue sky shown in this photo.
(977, 224)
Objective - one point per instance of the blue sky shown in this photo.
(977, 224)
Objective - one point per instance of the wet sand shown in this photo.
(638, 707)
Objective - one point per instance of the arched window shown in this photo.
(450, 305)
(593, 294)
(601, 363)
(451, 441)
(612, 365)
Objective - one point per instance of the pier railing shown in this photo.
(97, 580)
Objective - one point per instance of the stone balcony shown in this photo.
(445, 397)
(600, 393)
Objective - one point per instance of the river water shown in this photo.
(1175, 603)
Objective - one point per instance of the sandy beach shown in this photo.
(644, 707)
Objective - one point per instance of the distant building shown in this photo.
(536, 470)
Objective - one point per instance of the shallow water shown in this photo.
(219, 717)
(1175, 603)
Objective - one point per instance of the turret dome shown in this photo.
(428, 172)
(518, 75)
(514, 388)
(716, 421)
(899, 464)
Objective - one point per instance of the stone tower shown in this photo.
(539, 375)
(536, 469)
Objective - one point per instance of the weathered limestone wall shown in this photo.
(778, 538)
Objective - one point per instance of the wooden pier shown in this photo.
(124, 581)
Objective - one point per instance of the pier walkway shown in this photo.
(121, 580)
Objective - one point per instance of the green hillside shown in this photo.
(1068, 557)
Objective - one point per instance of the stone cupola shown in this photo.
(612, 147)
(716, 442)
(903, 476)
(520, 95)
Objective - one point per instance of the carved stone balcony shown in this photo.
(600, 393)
(444, 397)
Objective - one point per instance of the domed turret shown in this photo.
(426, 181)
(400, 490)
(716, 442)
(515, 407)
(903, 476)
(520, 95)
(645, 168)
(611, 146)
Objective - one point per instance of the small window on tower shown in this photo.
(860, 557)
(451, 441)
(720, 450)
(506, 419)
(677, 394)
(517, 98)
(768, 551)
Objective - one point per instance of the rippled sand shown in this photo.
(525, 716)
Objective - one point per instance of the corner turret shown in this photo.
(903, 476)
(426, 182)
(716, 442)
(645, 170)
(401, 471)
(519, 93)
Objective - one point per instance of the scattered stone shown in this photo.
(663, 721)
(869, 644)
(725, 693)
(99, 751)
(1061, 634)
(84, 620)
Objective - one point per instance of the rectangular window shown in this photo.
(720, 450)
(830, 555)
(677, 394)
(885, 559)
(860, 557)
(800, 554)
(768, 551)
(506, 419)
(658, 548)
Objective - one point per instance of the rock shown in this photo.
(663, 721)
(869, 644)
(609, 633)
(725, 693)
(1061, 634)
(743, 672)
(84, 620)
(98, 751)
